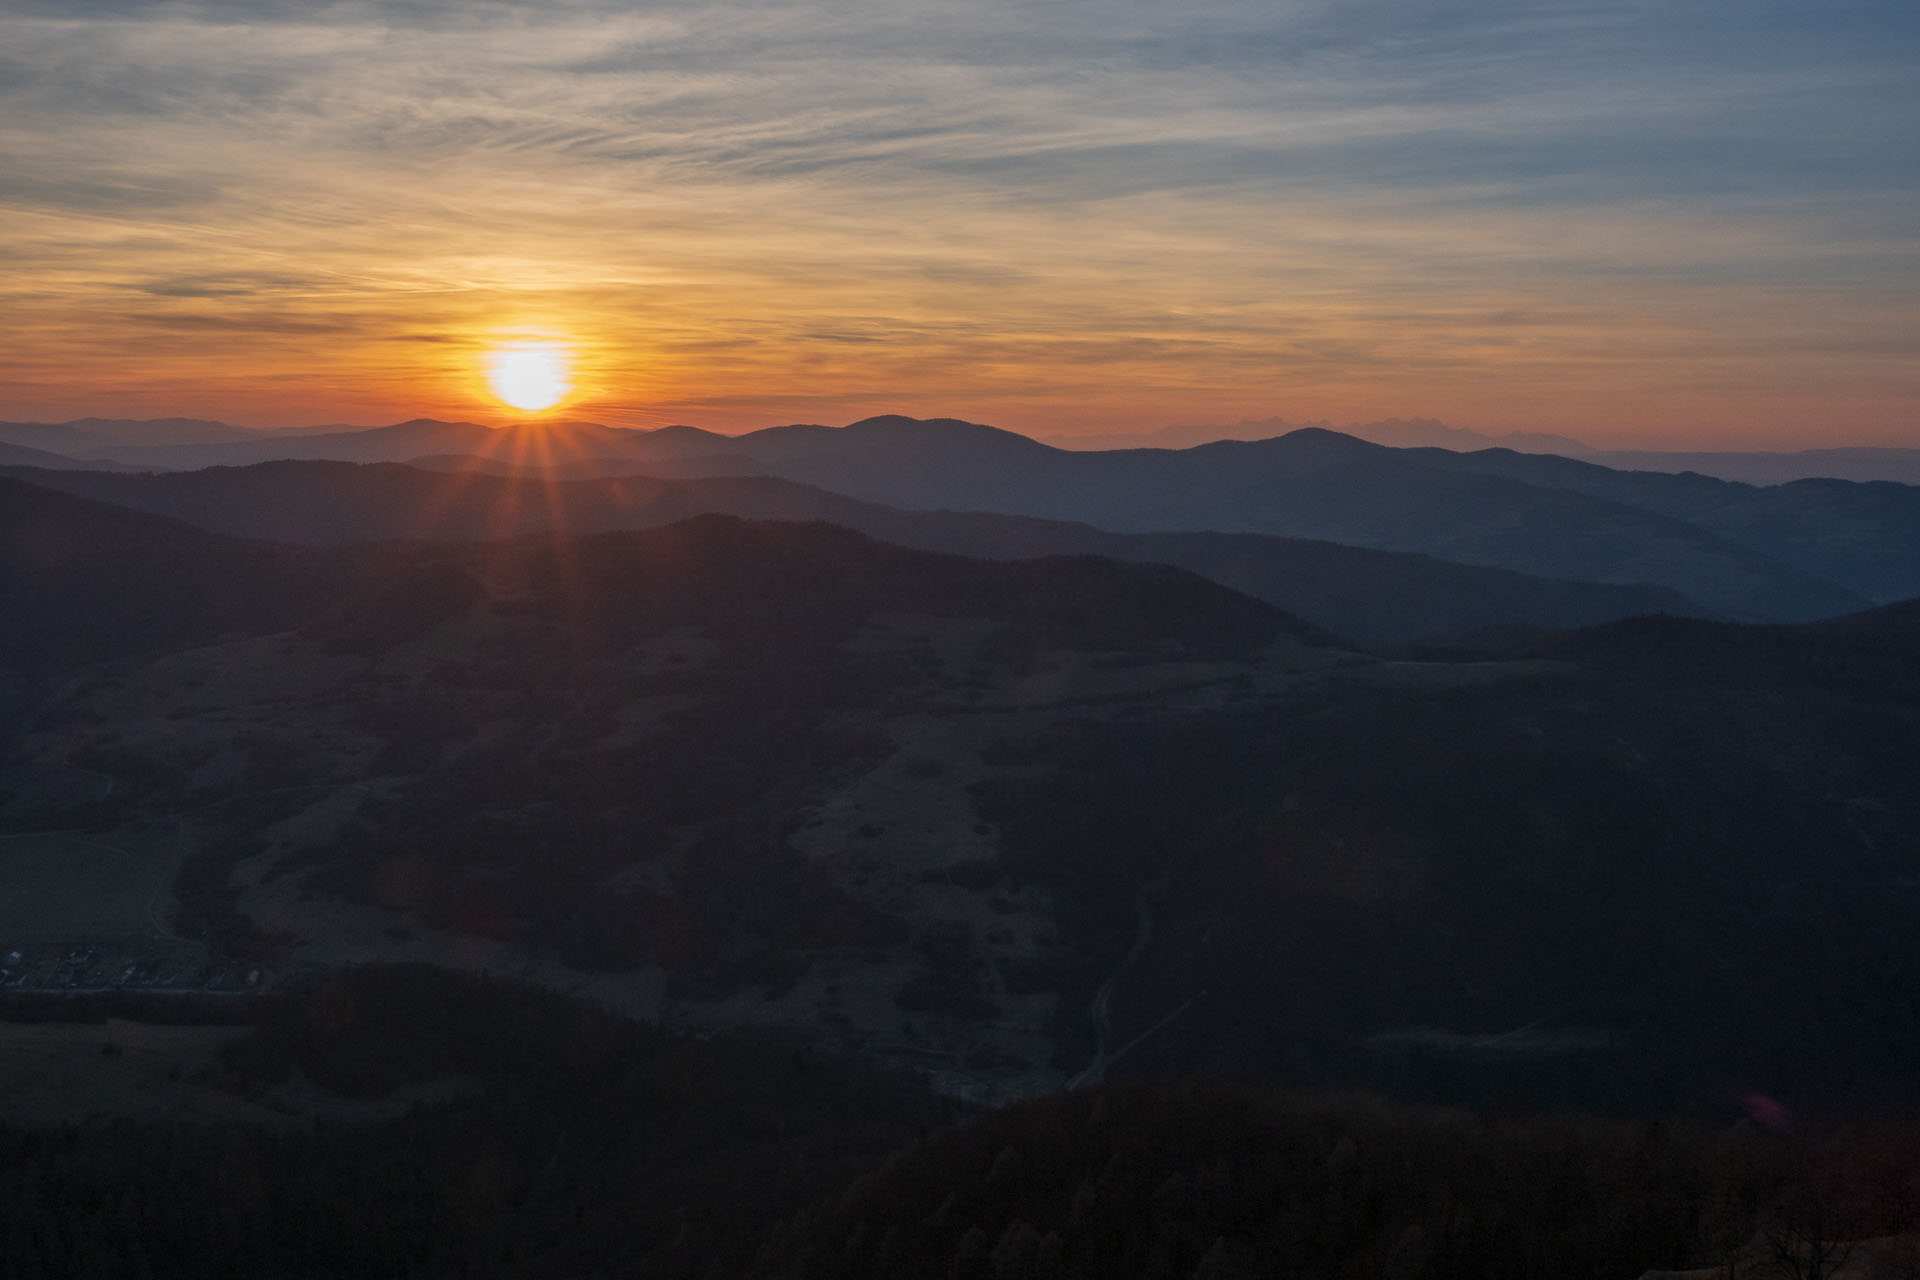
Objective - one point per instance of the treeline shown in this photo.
(554, 1139)
(1208, 1182)
(565, 1141)
(181, 1007)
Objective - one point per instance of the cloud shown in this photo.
(241, 322)
(221, 285)
(1231, 186)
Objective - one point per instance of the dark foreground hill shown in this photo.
(405, 1121)
(1658, 855)
(106, 578)
(1377, 598)
(1213, 1182)
(1019, 824)
(81, 581)
(535, 1136)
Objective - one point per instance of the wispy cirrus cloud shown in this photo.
(1075, 214)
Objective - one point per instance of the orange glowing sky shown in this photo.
(1679, 225)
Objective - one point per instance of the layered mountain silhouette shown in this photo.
(18, 455)
(1788, 552)
(1321, 484)
(85, 580)
(1860, 535)
(1376, 598)
(1401, 433)
(1752, 466)
(178, 444)
(130, 441)
(1901, 466)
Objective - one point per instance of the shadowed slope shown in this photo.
(1790, 557)
(82, 580)
(16, 455)
(1378, 598)
(1320, 484)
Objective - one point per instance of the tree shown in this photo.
(1805, 1244)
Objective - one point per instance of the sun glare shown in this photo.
(529, 377)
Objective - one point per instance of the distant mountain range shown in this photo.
(148, 443)
(1400, 433)
(1484, 509)
(1901, 466)
(107, 580)
(1377, 598)
(1761, 467)
(129, 439)
(1797, 551)
(19, 455)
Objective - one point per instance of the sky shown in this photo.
(1669, 224)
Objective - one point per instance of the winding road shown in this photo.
(1100, 1011)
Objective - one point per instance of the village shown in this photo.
(95, 966)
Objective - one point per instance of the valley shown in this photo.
(338, 835)
(334, 803)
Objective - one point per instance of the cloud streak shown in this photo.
(1059, 216)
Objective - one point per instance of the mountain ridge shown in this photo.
(1781, 553)
(1378, 598)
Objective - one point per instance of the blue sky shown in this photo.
(1686, 224)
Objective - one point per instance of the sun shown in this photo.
(529, 376)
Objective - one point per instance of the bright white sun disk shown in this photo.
(530, 378)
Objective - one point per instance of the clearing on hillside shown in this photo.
(65, 886)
